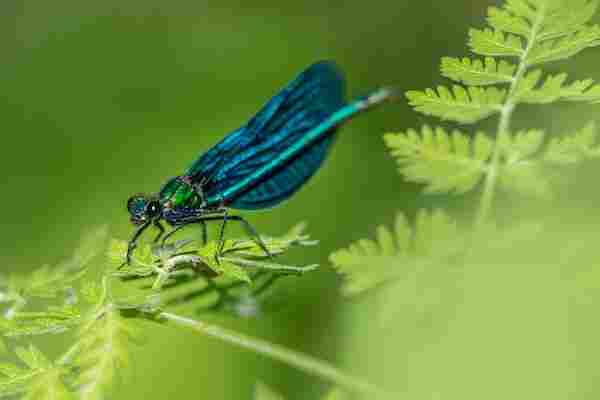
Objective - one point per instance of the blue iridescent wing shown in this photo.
(300, 107)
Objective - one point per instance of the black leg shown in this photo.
(178, 228)
(224, 217)
(161, 230)
(221, 237)
(133, 243)
(250, 231)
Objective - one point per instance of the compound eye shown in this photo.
(153, 208)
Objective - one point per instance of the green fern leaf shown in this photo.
(522, 8)
(49, 282)
(553, 89)
(526, 178)
(462, 105)
(48, 385)
(520, 172)
(564, 47)
(221, 266)
(525, 170)
(505, 21)
(104, 344)
(367, 264)
(477, 73)
(521, 146)
(444, 163)
(488, 42)
(567, 17)
(592, 95)
(573, 148)
(52, 321)
(553, 19)
(38, 379)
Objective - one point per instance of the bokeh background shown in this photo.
(99, 100)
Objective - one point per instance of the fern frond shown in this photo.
(521, 146)
(554, 89)
(48, 282)
(476, 72)
(444, 163)
(591, 95)
(104, 344)
(367, 263)
(37, 379)
(574, 148)
(489, 42)
(506, 21)
(564, 47)
(459, 104)
(525, 167)
(51, 321)
(527, 178)
(554, 18)
(523, 8)
(566, 17)
(186, 270)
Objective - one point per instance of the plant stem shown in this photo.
(508, 107)
(301, 361)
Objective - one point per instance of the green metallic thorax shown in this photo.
(177, 193)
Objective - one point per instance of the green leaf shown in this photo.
(367, 264)
(567, 17)
(520, 172)
(462, 105)
(526, 178)
(52, 321)
(522, 8)
(104, 344)
(592, 95)
(488, 42)
(553, 19)
(39, 379)
(573, 148)
(553, 89)
(220, 266)
(475, 72)
(444, 163)
(521, 146)
(264, 392)
(505, 21)
(49, 282)
(564, 47)
(186, 273)
(48, 385)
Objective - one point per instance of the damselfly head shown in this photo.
(142, 208)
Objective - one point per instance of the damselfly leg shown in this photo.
(133, 243)
(180, 227)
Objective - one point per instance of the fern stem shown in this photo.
(295, 359)
(508, 107)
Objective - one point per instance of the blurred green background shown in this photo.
(99, 100)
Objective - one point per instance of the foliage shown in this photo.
(102, 319)
(368, 263)
(409, 263)
(101, 312)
